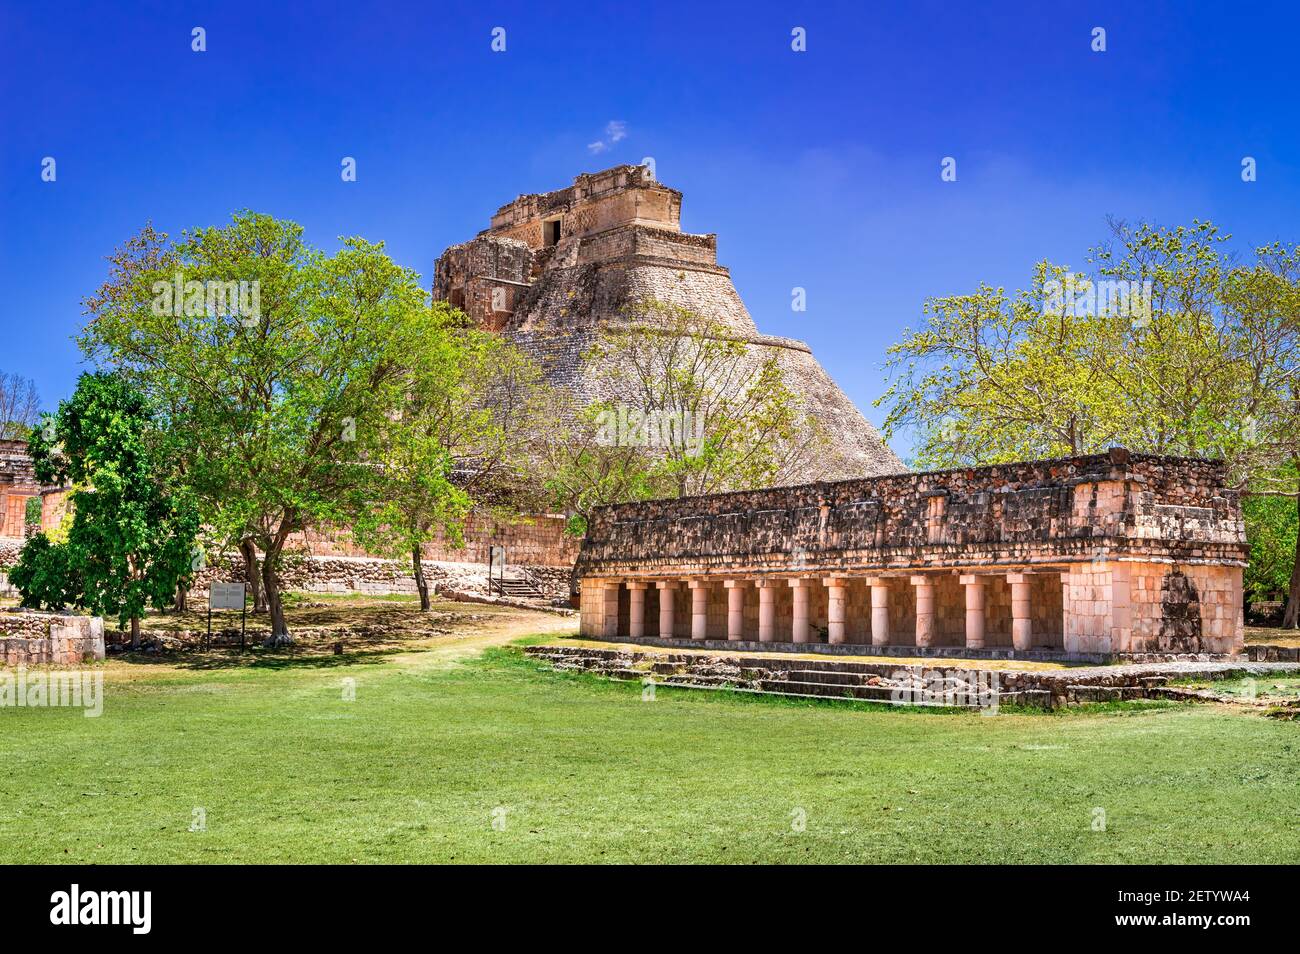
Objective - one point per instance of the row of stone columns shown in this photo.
(800, 629)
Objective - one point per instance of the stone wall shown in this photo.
(530, 540)
(1041, 512)
(359, 574)
(340, 574)
(1130, 606)
(594, 202)
(30, 638)
(10, 547)
(17, 486)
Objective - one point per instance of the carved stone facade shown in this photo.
(17, 486)
(1106, 554)
(555, 268)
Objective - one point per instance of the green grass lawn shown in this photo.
(1263, 688)
(434, 748)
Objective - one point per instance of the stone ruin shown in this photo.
(17, 486)
(555, 268)
(1086, 557)
(35, 638)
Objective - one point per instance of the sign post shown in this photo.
(228, 596)
(496, 564)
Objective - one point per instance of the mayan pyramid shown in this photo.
(554, 268)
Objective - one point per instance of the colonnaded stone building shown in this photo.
(1107, 554)
(555, 268)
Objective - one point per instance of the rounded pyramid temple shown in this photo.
(555, 268)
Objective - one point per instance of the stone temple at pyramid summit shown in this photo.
(554, 268)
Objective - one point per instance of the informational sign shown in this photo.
(226, 596)
(496, 568)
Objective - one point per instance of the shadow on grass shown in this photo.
(262, 659)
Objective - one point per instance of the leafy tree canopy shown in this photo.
(1169, 346)
(133, 526)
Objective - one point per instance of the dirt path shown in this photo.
(394, 633)
(496, 632)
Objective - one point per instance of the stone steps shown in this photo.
(784, 677)
(832, 677)
(778, 674)
(1094, 693)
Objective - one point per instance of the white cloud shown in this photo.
(615, 130)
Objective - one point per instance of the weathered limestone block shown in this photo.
(31, 638)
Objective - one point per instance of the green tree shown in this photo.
(582, 469)
(281, 366)
(682, 408)
(32, 512)
(471, 403)
(1272, 526)
(134, 524)
(44, 575)
(1170, 347)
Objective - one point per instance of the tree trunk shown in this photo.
(135, 632)
(1291, 616)
(421, 583)
(271, 583)
(575, 587)
(252, 574)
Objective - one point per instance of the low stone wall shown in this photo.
(340, 574)
(529, 539)
(350, 574)
(31, 638)
(10, 547)
(1265, 653)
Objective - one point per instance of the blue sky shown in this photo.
(817, 169)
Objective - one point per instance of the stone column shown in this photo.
(1022, 627)
(1121, 606)
(879, 610)
(924, 610)
(836, 594)
(974, 610)
(735, 609)
(766, 610)
(610, 589)
(636, 610)
(799, 622)
(699, 608)
(667, 590)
